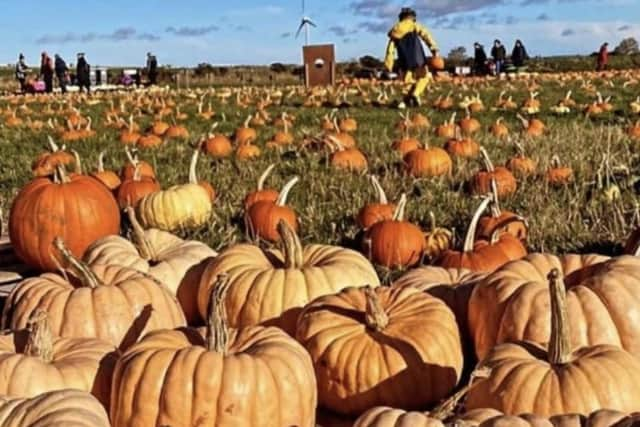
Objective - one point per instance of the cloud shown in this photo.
(624, 28)
(118, 35)
(341, 31)
(568, 32)
(192, 31)
(543, 17)
(243, 28)
(286, 35)
(374, 26)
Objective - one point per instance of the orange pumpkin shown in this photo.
(245, 134)
(262, 217)
(481, 183)
(558, 175)
(131, 191)
(109, 178)
(501, 221)
(261, 193)
(428, 162)
(448, 128)
(373, 213)
(129, 169)
(462, 147)
(45, 164)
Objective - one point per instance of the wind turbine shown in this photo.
(305, 25)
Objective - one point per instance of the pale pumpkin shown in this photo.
(215, 376)
(601, 418)
(112, 303)
(65, 408)
(526, 378)
(269, 287)
(174, 262)
(33, 361)
(383, 346)
(603, 297)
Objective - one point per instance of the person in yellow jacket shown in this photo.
(405, 41)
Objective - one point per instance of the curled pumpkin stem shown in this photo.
(469, 239)
(375, 316)
(284, 194)
(398, 215)
(382, 196)
(447, 408)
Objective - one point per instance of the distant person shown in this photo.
(603, 57)
(152, 69)
(21, 73)
(46, 72)
(83, 73)
(519, 54)
(62, 73)
(405, 39)
(499, 54)
(479, 60)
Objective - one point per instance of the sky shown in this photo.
(228, 32)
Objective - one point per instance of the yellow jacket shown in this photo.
(401, 29)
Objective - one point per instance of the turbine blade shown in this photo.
(300, 29)
(310, 22)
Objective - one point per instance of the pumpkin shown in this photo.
(469, 125)
(172, 261)
(437, 239)
(483, 255)
(149, 141)
(272, 287)
(436, 63)
(112, 303)
(75, 207)
(350, 159)
(462, 147)
(405, 145)
(373, 213)
(448, 128)
(109, 178)
(159, 128)
(600, 418)
(45, 164)
(505, 182)
(499, 129)
(176, 131)
(217, 146)
(499, 220)
(33, 362)
(427, 162)
(395, 243)
(131, 191)
(245, 134)
(634, 131)
(344, 139)
(389, 357)
(129, 170)
(602, 298)
(420, 121)
(283, 137)
(216, 376)
(71, 408)
(532, 128)
(181, 206)
(348, 125)
(262, 217)
(521, 165)
(526, 378)
(130, 135)
(558, 175)
(261, 193)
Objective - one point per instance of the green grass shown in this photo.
(570, 219)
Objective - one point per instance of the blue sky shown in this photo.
(185, 32)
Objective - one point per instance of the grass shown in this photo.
(574, 218)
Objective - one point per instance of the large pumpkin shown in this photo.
(383, 346)
(216, 376)
(601, 418)
(181, 206)
(77, 208)
(33, 362)
(270, 287)
(603, 299)
(174, 262)
(112, 303)
(65, 408)
(526, 378)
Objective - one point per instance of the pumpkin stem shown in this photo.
(452, 120)
(248, 121)
(382, 197)
(264, 176)
(291, 246)
(432, 220)
(282, 198)
(495, 201)
(40, 339)
(447, 408)
(80, 270)
(217, 327)
(375, 317)
(525, 122)
(132, 159)
(52, 145)
(398, 214)
(101, 162)
(60, 175)
(469, 239)
(560, 340)
(555, 161)
(193, 175)
(77, 162)
(486, 160)
(139, 239)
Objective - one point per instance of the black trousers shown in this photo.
(62, 82)
(23, 84)
(84, 84)
(153, 78)
(48, 83)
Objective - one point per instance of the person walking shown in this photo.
(499, 54)
(62, 72)
(46, 72)
(519, 54)
(21, 73)
(479, 60)
(603, 57)
(152, 69)
(83, 73)
(405, 39)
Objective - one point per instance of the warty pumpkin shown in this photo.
(77, 208)
(389, 357)
(112, 303)
(526, 378)
(437, 239)
(174, 262)
(215, 376)
(70, 408)
(262, 217)
(271, 287)
(373, 213)
(33, 362)
(603, 299)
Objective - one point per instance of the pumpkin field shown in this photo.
(283, 256)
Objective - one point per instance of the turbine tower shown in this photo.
(305, 25)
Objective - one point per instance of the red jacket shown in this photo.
(603, 56)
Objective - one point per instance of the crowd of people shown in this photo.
(483, 65)
(43, 80)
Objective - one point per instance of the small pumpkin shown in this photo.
(391, 324)
(448, 128)
(130, 135)
(521, 165)
(462, 147)
(532, 128)
(262, 217)
(395, 243)
(217, 145)
(558, 175)
(45, 164)
(109, 178)
(350, 159)
(246, 134)
(504, 181)
(270, 287)
(261, 193)
(437, 239)
(499, 129)
(469, 125)
(129, 169)
(499, 220)
(131, 191)
(373, 213)
(428, 162)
